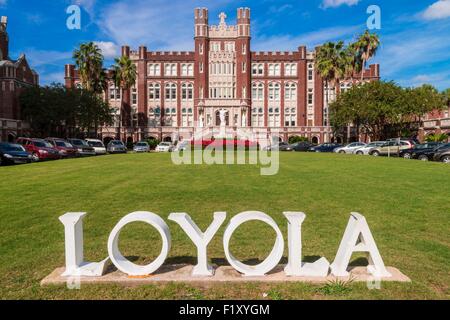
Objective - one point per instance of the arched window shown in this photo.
(154, 91)
(171, 91)
(274, 91)
(257, 117)
(290, 117)
(187, 91)
(258, 91)
(290, 92)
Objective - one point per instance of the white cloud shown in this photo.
(438, 10)
(155, 24)
(337, 3)
(109, 49)
(311, 39)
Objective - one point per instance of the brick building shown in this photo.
(14, 76)
(176, 92)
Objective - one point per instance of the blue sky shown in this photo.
(415, 34)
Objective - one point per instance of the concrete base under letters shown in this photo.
(223, 274)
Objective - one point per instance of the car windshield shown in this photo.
(165, 144)
(63, 144)
(445, 146)
(42, 144)
(78, 142)
(117, 143)
(11, 147)
(96, 144)
(141, 144)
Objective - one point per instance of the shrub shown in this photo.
(295, 139)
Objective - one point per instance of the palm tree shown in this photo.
(366, 47)
(437, 137)
(124, 75)
(446, 94)
(89, 60)
(333, 64)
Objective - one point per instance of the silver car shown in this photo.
(141, 147)
(366, 149)
(350, 147)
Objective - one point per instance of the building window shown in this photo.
(114, 92)
(215, 46)
(290, 69)
(274, 117)
(274, 69)
(290, 92)
(244, 49)
(244, 67)
(170, 69)
(310, 96)
(290, 117)
(154, 91)
(134, 96)
(257, 117)
(274, 92)
(187, 117)
(310, 72)
(258, 92)
(154, 69)
(229, 46)
(187, 91)
(171, 91)
(258, 69)
(170, 117)
(187, 70)
(200, 48)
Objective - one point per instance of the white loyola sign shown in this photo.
(357, 238)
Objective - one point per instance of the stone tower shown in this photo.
(4, 40)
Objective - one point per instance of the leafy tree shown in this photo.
(124, 75)
(446, 95)
(366, 47)
(57, 111)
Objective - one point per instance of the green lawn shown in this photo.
(405, 202)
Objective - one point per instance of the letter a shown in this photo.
(74, 20)
(358, 238)
(200, 239)
(75, 264)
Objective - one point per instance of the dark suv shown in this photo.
(442, 153)
(83, 148)
(420, 151)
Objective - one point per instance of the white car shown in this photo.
(350, 147)
(366, 149)
(164, 147)
(98, 146)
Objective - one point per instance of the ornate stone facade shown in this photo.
(179, 91)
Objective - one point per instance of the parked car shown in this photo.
(281, 146)
(419, 150)
(325, 147)
(98, 146)
(301, 146)
(350, 147)
(164, 147)
(368, 147)
(39, 149)
(13, 154)
(66, 149)
(116, 146)
(141, 147)
(182, 146)
(442, 153)
(392, 148)
(84, 149)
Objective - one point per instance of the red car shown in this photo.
(66, 150)
(40, 149)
